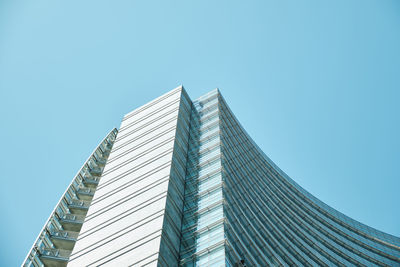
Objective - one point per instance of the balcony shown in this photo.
(96, 171)
(72, 222)
(85, 193)
(106, 153)
(77, 206)
(64, 239)
(52, 257)
(108, 147)
(91, 182)
(100, 162)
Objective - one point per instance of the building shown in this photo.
(181, 183)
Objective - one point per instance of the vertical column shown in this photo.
(203, 241)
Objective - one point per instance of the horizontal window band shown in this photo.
(118, 234)
(132, 182)
(146, 258)
(152, 103)
(123, 200)
(136, 168)
(118, 146)
(143, 241)
(155, 120)
(124, 214)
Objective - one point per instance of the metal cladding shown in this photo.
(184, 185)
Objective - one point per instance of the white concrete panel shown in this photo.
(133, 215)
(138, 188)
(148, 262)
(161, 130)
(133, 179)
(119, 177)
(110, 206)
(140, 149)
(136, 111)
(140, 259)
(137, 245)
(170, 112)
(119, 228)
(154, 112)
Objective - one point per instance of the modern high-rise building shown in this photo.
(182, 184)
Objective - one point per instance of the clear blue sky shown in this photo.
(315, 83)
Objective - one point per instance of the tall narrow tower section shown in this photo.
(135, 215)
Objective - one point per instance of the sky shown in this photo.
(315, 84)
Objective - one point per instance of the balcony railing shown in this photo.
(95, 171)
(85, 191)
(77, 203)
(100, 161)
(67, 235)
(70, 212)
(54, 253)
(91, 180)
(72, 218)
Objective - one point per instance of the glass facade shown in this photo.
(203, 228)
(185, 185)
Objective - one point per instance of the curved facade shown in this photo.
(241, 209)
(185, 185)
